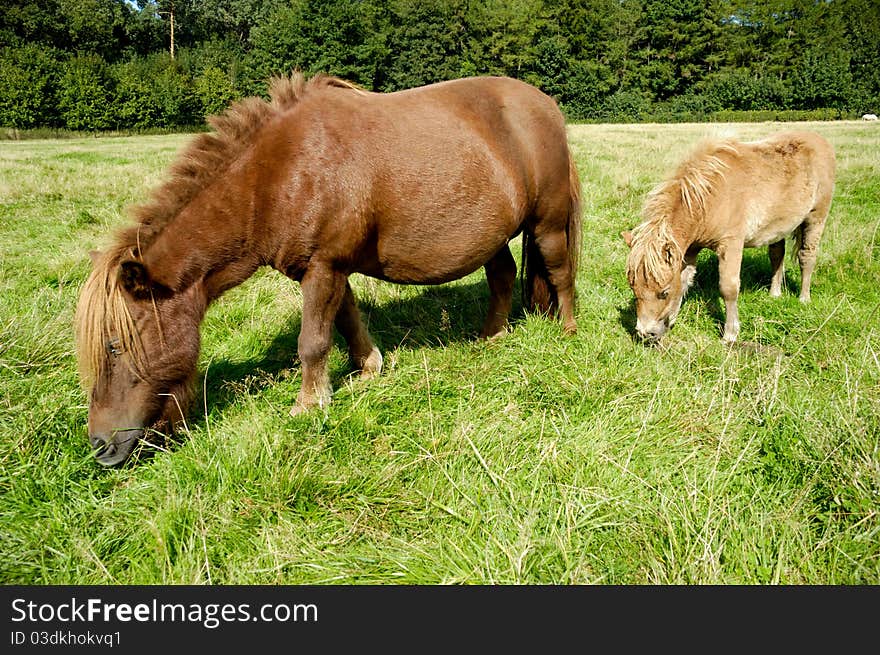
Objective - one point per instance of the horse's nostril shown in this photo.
(97, 441)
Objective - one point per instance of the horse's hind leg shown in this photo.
(363, 353)
(501, 276)
(776, 251)
(553, 245)
(811, 234)
(323, 291)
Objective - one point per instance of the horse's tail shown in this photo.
(538, 293)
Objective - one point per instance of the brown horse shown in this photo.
(421, 186)
(726, 196)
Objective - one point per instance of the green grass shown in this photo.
(531, 459)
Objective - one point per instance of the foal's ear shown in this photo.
(135, 279)
(628, 237)
(94, 255)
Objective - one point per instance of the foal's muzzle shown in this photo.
(651, 332)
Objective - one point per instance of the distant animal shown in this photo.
(869, 117)
(420, 186)
(728, 195)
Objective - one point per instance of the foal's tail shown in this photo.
(537, 291)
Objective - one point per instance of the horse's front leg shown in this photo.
(688, 273)
(323, 292)
(729, 263)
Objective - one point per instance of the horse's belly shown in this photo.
(435, 260)
(768, 234)
(763, 228)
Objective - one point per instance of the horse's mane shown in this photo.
(685, 191)
(102, 312)
(210, 154)
(649, 241)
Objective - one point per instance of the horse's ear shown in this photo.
(627, 237)
(94, 255)
(669, 252)
(135, 279)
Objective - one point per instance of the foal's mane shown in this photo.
(681, 198)
(102, 312)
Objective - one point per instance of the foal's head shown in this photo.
(655, 274)
(137, 348)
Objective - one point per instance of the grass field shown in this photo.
(531, 459)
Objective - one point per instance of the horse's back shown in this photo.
(777, 183)
(431, 182)
(797, 154)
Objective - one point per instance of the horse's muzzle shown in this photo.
(117, 448)
(652, 332)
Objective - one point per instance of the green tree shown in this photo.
(214, 91)
(337, 37)
(426, 43)
(96, 26)
(28, 83)
(32, 21)
(502, 37)
(822, 79)
(861, 22)
(83, 94)
(675, 45)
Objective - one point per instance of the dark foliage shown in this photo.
(108, 64)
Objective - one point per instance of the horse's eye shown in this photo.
(113, 347)
(663, 295)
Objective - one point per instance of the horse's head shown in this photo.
(137, 349)
(655, 274)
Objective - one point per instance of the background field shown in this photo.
(532, 459)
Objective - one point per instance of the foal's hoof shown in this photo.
(372, 365)
(570, 329)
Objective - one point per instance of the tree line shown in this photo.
(139, 64)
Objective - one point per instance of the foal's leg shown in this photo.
(777, 266)
(323, 291)
(812, 228)
(554, 249)
(501, 275)
(729, 263)
(688, 273)
(363, 354)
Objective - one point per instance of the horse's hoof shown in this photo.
(492, 335)
(301, 407)
(298, 409)
(372, 365)
(570, 329)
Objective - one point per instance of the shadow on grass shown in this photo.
(436, 316)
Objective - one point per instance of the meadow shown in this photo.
(531, 459)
